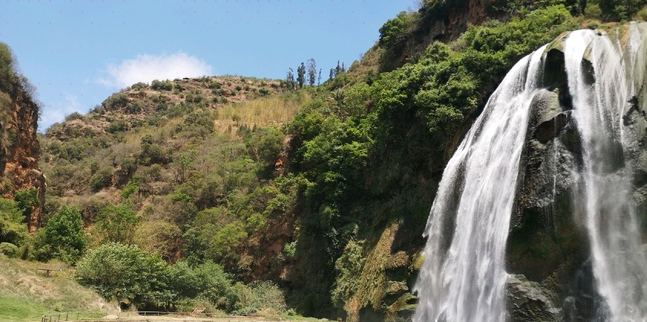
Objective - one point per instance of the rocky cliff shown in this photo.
(549, 252)
(19, 147)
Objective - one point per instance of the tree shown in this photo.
(301, 75)
(312, 72)
(205, 280)
(290, 78)
(332, 74)
(319, 78)
(125, 272)
(27, 200)
(12, 230)
(117, 223)
(62, 237)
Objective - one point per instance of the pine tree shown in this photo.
(337, 69)
(343, 68)
(312, 72)
(301, 75)
(332, 74)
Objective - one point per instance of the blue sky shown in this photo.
(78, 52)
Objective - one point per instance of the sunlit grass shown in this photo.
(262, 112)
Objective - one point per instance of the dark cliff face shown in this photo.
(443, 21)
(549, 251)
(19, 147)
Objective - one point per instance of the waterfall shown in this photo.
(463, 276)
(619, 265)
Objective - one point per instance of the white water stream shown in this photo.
(619, 265)
(463, 277)
(466, 282)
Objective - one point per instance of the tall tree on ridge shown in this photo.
(312, 72)
(301, 75)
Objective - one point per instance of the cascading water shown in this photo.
(466, 282)
(619, 266)
(463, 277)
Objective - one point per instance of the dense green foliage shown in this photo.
(122, 272)
(62, 237)
(12, 228)
(131, 275)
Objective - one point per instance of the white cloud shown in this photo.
(57, 112)
(146, 68)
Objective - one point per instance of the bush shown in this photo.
(8, 249)
(161, 237)
(258, 295)
(12, 228)
(101, 179)
(73, 116)
(206, 280)
(116, 223)
(117, 126)
(62, 237)
(116, 101)
(122, 272)
(27, 200)
(134, 107)
(593, 11)
(129, 189)
(162, 85)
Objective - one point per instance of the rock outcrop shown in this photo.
(548, 251)
(19, 146)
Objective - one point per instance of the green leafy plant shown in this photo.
(62, 237)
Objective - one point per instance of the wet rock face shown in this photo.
(548, 254)
(528, 301)
(547, 245)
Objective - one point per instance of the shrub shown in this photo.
(134, 107)
(117, 126)
(129, 189)
(263, 91)
(27, 200)
(258, 295)
(62, 237)
(121, 272)
(73, 116)
(161, 237)
(8, 249)
(101, 179)
(166, 85)
(206, 280)
(116, 101)
(593, 11)
(139, 86)
(116, 223)
(12, 229)
(154, 172)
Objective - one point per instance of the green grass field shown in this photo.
(26, 294)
